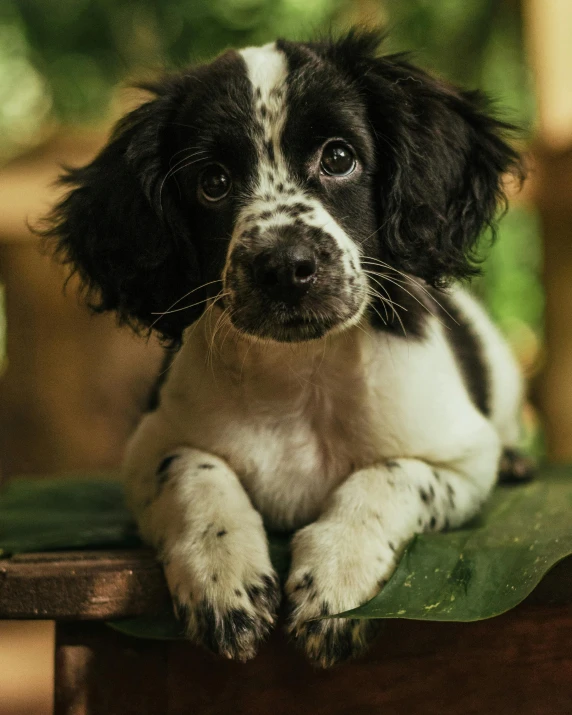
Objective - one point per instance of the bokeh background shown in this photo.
(72, 385)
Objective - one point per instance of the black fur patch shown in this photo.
(468, 352)
(269, 148)
(451, 496)
(163, 467)
(294, 210)
(132, 227)
(154, 397)
(401, 309)
(306, 583)
(516, 467)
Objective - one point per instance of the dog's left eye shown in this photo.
(214, 182)
(338, 159)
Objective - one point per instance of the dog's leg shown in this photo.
(214, 550)
(344, 558)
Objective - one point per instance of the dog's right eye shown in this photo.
(338, 159)
(214, 182)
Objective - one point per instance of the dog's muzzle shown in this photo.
(290, 283)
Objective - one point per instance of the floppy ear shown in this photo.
(122, 234)
(441, 159)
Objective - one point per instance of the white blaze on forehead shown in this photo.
(267, 71)
(267, 67)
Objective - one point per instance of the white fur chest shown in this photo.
(294, 422)
(289, 458)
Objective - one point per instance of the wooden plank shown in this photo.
(103, 585)
(517, 664)
(81, 585)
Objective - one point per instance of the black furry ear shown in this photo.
(442, 156)
(120, 231)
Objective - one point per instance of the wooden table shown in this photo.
(517, 664)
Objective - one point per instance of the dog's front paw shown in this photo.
(227, 598)
(231, 625)
(334, 569)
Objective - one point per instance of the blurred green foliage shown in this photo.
(477, 43)
(63, 58)
(60, 61)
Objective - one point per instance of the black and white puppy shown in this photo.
(289, 215)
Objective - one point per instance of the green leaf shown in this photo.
(470, 574)
(488, 568)
(162, 627)
(70, 513)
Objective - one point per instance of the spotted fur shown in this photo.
(326, 382)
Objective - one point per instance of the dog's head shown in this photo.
(275, 180)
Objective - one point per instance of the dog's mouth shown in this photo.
(291, 330)
(282, 323)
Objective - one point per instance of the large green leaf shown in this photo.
(71, 513)
(488, 568)
(470, 574)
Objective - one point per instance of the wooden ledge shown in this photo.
(106, 585)
(82, 585)
(517, 664)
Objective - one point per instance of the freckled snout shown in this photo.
(285, 273)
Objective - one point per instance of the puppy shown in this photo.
(288, 216)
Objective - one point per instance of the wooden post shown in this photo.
(74, 384)
(548, 29)
(100, 672)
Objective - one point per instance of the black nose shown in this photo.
(285, 273)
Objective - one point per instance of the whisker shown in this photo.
(218, 325)
(250, 344)
(204, 285)
(379, 314)
(175, 169)
(187, 148)
(384, 276)
(192, 305)
(393, 305)
(375, 294)
(377, 261)
(399, 284)
(194, 290)
(374, 276)
(192, 155)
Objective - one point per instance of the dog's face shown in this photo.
(277, 170)
(300, 199)
(275, 181)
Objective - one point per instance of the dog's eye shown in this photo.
(214, 182)
(338, 159)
